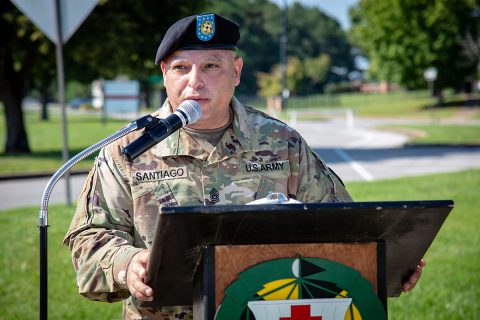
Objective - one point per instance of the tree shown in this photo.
(259, 23)
(43, 77)
(299, 75)
(311, 34)
(404, 37)
(119, 37)
(21, 47)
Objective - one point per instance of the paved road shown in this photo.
(364, 154)
(356, 153)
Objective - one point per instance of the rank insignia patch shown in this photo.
(214, 196)
(205, 27)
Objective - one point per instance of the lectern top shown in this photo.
(407, 228)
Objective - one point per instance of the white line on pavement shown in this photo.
(367, 176)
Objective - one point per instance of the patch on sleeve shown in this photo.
(159, 175)
(261, 167)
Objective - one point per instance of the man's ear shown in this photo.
(237, 66)
(163, 66)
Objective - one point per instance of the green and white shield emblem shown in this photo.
(299, 289)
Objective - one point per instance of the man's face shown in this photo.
(207, 76)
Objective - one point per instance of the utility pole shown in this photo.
(61, 95)
(283, 57)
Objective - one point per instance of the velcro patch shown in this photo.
(156, 175)
(260, 167)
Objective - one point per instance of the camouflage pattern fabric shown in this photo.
(117, 209)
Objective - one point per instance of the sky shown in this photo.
(337, 9)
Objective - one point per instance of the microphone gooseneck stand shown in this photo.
(138, 124)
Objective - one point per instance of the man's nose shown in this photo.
(195, 80)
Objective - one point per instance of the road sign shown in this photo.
(42, 14)
(121, 96)
(430, 74)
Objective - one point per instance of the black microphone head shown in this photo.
(189, 111)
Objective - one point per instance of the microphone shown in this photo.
(189, 111)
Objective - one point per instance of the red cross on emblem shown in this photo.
(301, 312)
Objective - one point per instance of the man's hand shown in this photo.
(412, 281)
(136, 276)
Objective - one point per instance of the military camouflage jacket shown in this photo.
(120, 201)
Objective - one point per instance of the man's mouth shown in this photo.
(198, 99)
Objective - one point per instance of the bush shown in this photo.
(341, 87)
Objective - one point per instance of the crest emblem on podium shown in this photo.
(300, 289)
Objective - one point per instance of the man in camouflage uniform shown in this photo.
(233, 155)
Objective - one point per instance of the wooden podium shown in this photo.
(198, 252)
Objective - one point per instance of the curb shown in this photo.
(35, 175)
(440, 145)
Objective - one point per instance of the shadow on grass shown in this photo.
(82, 118)
(472, 103)
(120, 122)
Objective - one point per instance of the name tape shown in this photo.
(147, 176)
(256, 167)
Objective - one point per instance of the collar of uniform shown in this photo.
(178, 143)
(183, 144)
(236, 139)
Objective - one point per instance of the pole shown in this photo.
(283, 57)
(431, 91)
(43, 214)
(43, 228)
(61, 96)
(43, 223)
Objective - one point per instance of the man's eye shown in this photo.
(211, 66)
(179, 67)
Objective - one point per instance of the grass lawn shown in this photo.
(414, 105)
(45, 139)
(440, 133)
(19, 270)
(450, 285)
(449, 289)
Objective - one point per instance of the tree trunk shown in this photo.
(17, 141)
(440, 97)
(44, 97)
(11, 94)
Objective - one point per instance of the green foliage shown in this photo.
(341, 87)
(121, 37)
(311, 33)
(269, 83)
(313, 37)
(404, 37)
(24, 53)
(300, 76)
(316, 68)
(259, 22)
(118, 37)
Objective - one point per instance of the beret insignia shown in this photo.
(205, 27)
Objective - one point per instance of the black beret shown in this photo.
(204, 31)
